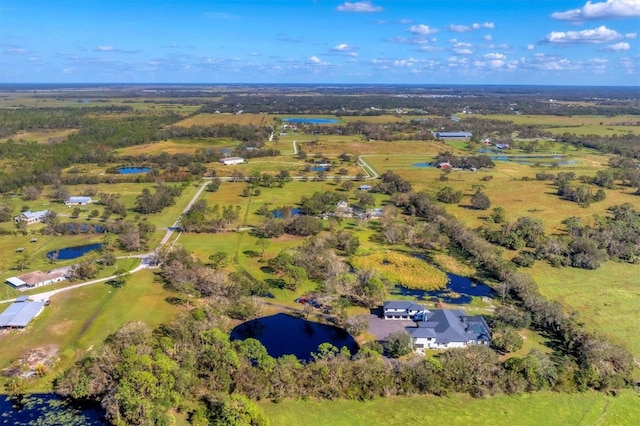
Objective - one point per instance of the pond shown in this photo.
(530, 160)
(283, 334)
(320, 168)
(422, 165)
(460, 291)
(311, 120)
(279, 214)
(48, 409)
(73, 252)
(133, 170)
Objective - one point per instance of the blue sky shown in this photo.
(563, 42)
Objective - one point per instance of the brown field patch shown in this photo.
(43, 136)
(242, 119)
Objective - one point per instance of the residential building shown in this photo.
(30, 217)
(402, 310)
(38, 278)
(449, 328)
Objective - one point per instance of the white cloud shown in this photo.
(422, 29)
(459, 28)
(601, 34)
(609, 9)
(619, 47)
(405, 21)
(495, 56)
(530, 46)
(360, 6)
(631, 35)
(463, 48)
(475, 26)
(488, 37)
(105, 49)
(489, 25)
(429, 48)
(16, 51)
(342, 47)
(404, 62)
(316, 61)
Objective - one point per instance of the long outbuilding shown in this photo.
(20, 313)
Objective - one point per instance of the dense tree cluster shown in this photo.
(465, 162)
(391, 183)
(165, 196)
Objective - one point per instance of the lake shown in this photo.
(422, 165)
(48, 409)
(283, 334)
(459, 291)
(133, 170)
(73, 252)
(310, 120)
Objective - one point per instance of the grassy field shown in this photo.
(79, 320)
(579, 124)
(606, 299)
(544, 408)
(178, 145)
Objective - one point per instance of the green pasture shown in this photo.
(78, 321)
(560, 120)
(606, 299)
(507, 188)
(541, 408)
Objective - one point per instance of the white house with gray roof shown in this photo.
(402, 310)
(30, 217)
(449, 328)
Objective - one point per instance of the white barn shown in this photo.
(230, 161)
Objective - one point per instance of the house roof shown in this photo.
(79, 200)
(403, 304)
(19, 314)
(452, 325)
(36, 277)
(35, 215)
(453, 134)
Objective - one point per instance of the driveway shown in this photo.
(381, 328)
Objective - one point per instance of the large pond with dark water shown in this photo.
(459, 291)
(73, 252)
(48, 409)
(283, 334)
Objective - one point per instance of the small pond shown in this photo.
(73, 252)
(530, 160)
(283, 334)
(460, 291)
(320, 168)
(311, 120)
(133, 170)
(279, 214)
(48, 409)
(422, 165)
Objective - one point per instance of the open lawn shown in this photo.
(79, 320)
(606, 299)
(543, 408)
